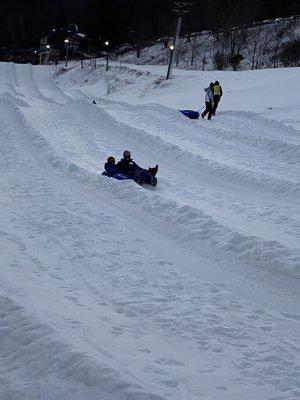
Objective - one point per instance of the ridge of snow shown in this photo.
(108, 289)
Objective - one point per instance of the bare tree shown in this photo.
(200, 46)
(219, 60)
(258, 46)
(234, 60)
(180, 51)
(290, 54)
(194, 48)
(280, 33)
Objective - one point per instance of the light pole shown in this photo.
(47, 54)
(67, 50)
(170, 61)
(181, 8)
(107, 54)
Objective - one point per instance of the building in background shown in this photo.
(60, 39)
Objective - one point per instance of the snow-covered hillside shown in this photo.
(259, 45)
(112, 291)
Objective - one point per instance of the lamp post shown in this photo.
(170, 61)
(67, 50)
(47, 53)
(107, 54)
(180, 8)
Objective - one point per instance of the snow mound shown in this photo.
(40, 360)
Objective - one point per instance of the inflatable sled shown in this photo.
(190, 114)
(119, 177)
(145, 179)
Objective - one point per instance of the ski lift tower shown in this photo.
(180, 8)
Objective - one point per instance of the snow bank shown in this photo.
(42, 365)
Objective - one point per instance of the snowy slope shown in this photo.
(112, 291)
(260, 44)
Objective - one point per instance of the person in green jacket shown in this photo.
(217, 94)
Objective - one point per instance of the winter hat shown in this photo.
(111, 160)
(126, 154)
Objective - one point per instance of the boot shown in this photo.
(153, 171)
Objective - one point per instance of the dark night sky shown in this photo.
(38, 14)
(28, 18)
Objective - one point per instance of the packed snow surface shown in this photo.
(111, 291)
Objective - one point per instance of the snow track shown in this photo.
(118, 309)
(187, 218)
(42, 365)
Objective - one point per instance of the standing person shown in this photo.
(208, 101)
(217, 94)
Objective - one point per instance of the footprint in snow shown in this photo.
(171, 383)
(254, 317)
(164, 262)
(172, 362)
(147, 351)
(291, 316)
(219, 387)
(73, 322)
(157, 371)
(266, 328)
(117, 330)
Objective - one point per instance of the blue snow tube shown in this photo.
(190, 114)
(119, 177)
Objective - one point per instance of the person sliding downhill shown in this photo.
(126, 168)
(110, 167)
(126, 165)
(142, 176)
(217, 94)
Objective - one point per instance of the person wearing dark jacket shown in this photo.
(126, 165)
(217, 94)
(110, 167)
(140, 175)
(208, 101)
